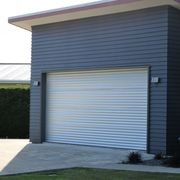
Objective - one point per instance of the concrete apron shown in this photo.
(20, 156)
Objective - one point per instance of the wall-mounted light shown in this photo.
(155, 80)
(36, 83)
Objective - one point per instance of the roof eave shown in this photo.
(84, 11)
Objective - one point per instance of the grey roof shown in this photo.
(15, 72)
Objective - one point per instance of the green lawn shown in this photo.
(13, 86)
(94, 174)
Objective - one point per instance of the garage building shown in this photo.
(106, 74)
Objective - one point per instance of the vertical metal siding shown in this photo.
(137, 38)
(102, 108)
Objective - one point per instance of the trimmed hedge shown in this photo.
(14, 113)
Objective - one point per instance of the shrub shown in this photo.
(159, 156)
(14, 113)
(173, 161)
(134, 158)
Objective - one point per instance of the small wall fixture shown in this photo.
(155, 80)
(36, 83)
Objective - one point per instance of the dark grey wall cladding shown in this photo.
(137, 38)
(173, 122)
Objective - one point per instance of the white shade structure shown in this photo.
(15, 73)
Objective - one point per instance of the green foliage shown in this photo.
(173, 161)
(14, 86)
(134, 158)
(14, 113)
(159, 156)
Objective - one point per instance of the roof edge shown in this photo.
(69, 9)
(98, 8)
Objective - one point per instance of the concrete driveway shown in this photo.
(19, 156)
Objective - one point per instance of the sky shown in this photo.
(15, 43)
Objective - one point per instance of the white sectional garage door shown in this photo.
(99, 108)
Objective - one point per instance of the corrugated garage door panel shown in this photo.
(101, 108)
